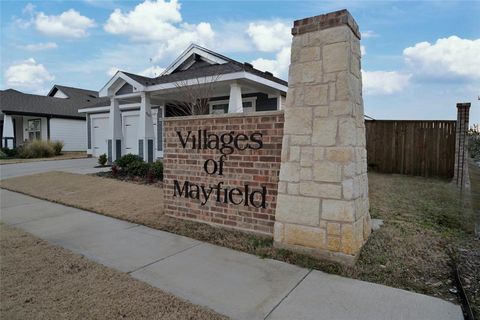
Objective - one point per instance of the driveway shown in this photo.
(82, 166)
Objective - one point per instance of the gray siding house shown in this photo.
(25, 117)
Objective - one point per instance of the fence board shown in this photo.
(421, 148)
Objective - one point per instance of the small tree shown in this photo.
(195, 95)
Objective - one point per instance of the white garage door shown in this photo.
(130, 133)
(99, 135)
(73, 133)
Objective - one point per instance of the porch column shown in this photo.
(235, 102)
(280, 102)
(8, 134)
(146, 134)
(115, 132)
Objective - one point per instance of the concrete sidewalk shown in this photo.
(233, 283)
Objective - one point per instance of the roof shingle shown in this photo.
(13, 101)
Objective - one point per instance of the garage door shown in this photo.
(73, 133)
(99, 135)
(130, 133)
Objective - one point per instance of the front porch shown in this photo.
(17, 129)
(198, 82)
(133, 122)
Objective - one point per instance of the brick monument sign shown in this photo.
(298, 174)
(223, 169)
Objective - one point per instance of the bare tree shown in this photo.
(194, 95)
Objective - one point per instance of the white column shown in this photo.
(235, 102)
(115, 136)
(146, 134)
(280, 102)
(160, 130)
(8, 133)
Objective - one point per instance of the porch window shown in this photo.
(34, 129)
(218, 108)
(249, 104)
(221, 106)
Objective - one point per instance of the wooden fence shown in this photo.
(420, 148)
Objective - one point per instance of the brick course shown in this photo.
(252, 167)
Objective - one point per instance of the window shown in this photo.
(221, 106)
(34, 129)
(248, 105)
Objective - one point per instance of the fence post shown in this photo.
(460, 176)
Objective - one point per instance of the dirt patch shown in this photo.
(42, 281)
(66, 155)
(425, 223)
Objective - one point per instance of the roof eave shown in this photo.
(104, 92)
(224, 77)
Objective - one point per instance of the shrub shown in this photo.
(114, 170)
(137, 168)
(150, 178)
(36, 149)
(157, 170)
(102, 160)
(57, 147)
(2, 154)
(474, 144)
(127, 159)
(9, 153)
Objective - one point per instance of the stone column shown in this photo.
(235, 104)
(146, 134)
(8, 133)
(322, 206)
(114, 143)
(461, 157)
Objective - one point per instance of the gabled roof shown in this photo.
(206, 71)
(16, 102)
(74, 93)
(195, 52)
(195, 62)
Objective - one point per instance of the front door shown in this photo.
(34, 129)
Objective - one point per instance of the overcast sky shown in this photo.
(419, 58)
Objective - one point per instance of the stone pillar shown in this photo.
(322, 206)
(8, 133)
(461, 157)
(114, 143)
(235, 104)
(146, 134)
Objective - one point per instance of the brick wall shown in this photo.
(256, 167)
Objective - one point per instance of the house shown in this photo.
(132, 119)
(25, 117)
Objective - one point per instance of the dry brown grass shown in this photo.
(42, 281)
(123, 200)
(66, 155)
(424, 221)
